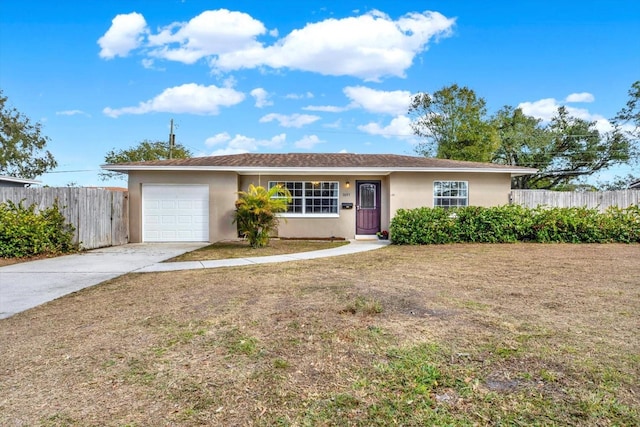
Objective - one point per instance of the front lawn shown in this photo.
(241, 249)
(521, 334)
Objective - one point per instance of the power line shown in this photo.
(74, 171)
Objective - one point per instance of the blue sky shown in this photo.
(307, 76)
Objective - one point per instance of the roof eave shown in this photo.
(19, 180)
(247, 170)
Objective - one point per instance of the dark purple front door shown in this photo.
(367, 207)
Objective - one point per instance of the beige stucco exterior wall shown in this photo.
(398, 190)
(344, 225)
(414, 190)
(223, 187)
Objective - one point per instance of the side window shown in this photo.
(448, 194)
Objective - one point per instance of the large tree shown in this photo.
(453, 121)
(630, 114)
(144, 151)
(628, 121)
(524, 141)
(618, 183)
(22, 145)
(565, 151)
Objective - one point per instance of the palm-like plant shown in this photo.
(256, 212)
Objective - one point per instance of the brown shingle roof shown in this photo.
(320, 160)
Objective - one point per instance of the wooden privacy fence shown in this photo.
(600, 200)
(100, 217)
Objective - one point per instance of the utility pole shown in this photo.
(172, 141)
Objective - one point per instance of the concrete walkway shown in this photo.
(29, 284)
(353, 247)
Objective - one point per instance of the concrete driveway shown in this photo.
(29, 284)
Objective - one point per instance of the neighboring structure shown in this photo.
(340, 195)
(635, 185)
(11, 181)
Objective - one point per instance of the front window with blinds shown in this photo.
(311, 197)
(449, 194)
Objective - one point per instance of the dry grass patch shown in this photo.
(439, 335)
(242, 249)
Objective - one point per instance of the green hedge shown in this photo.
(25, 232)
(512, 223)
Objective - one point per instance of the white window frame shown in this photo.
(304, 199)
(463, 186)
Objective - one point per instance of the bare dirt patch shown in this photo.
(455, 334)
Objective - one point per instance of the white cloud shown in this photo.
(150, 64)
(603, 125)
(219, 138)
(344, 150)
(378, 101)
(189, 98)
(400, 127)
(213, 32)
(394, 103)
(370, 46)
(580, 97)
(291, 121)
(124, 35)
(308, 142)
(543, 109)
(72, 113)
(243, 144)
(326, 108)
(546, 109)
(262, 97)
(584, 114)
(299, 95)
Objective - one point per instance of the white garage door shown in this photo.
(175, 213)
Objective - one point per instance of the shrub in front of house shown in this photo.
(422, 226)
(25, 232)
(257, 212)
(623, 225)
(502, 224)
(512, 223)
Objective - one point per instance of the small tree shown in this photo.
(23, 150)
(144, 151)
(256, 212)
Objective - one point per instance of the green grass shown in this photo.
(458, 337)
(419, 385)
(238, 343)
(364, 306)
